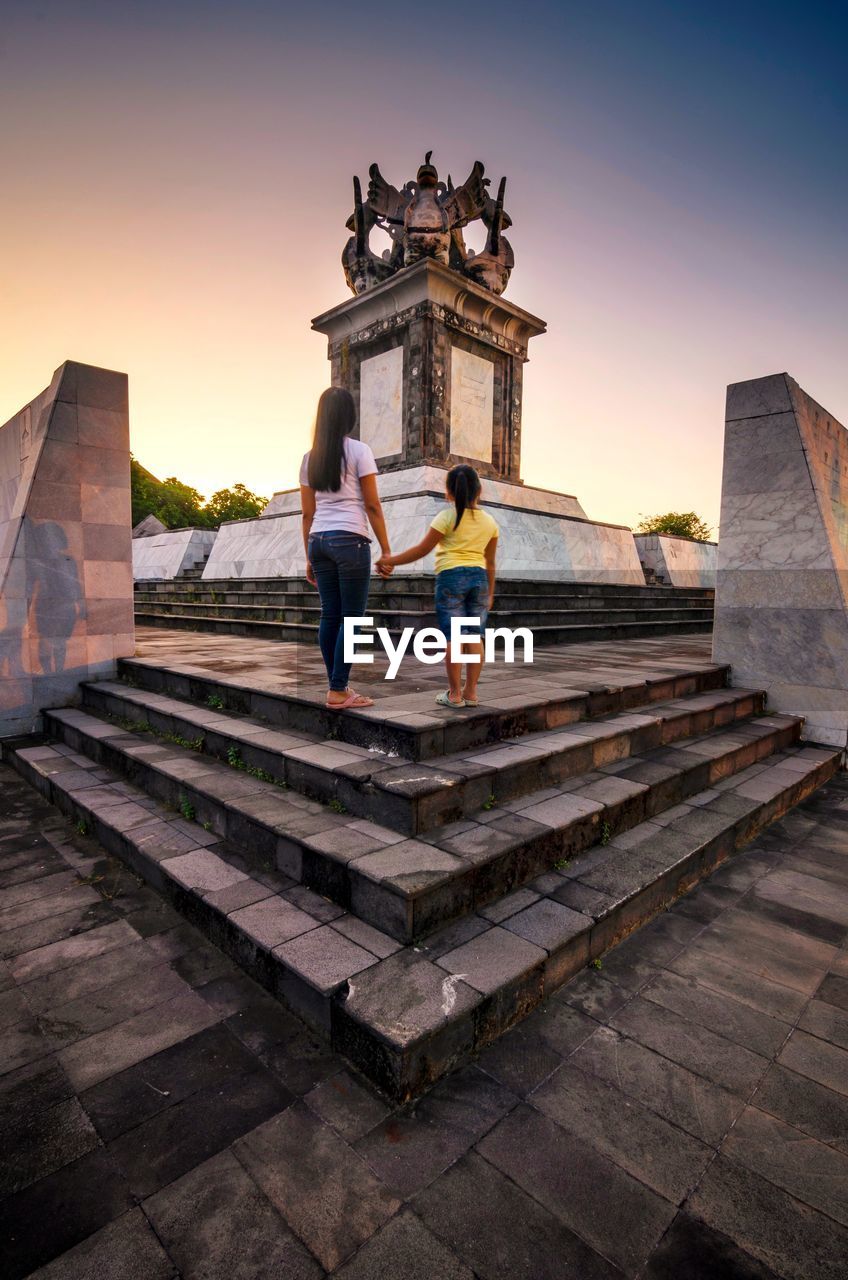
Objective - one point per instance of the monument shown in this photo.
(434, 357)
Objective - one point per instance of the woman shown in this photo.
(338, 492)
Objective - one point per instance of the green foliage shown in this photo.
(606, 833)
(215, 702)
(237, 503)
(179, 506)
(596, 964)
(187, 809)
(679, 524)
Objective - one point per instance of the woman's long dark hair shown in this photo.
(463, 485)
(335, 419)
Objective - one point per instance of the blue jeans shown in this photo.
(462, 593)
(342, 564)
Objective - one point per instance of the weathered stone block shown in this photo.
(64, 542)
(782, 582)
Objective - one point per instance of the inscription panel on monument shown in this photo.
(472, 405)
(381, 402)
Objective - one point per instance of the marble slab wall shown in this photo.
(66, 593)
(679, 562)
(781, 616)
(163, 556)
(541, 536)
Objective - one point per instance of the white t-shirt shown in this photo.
(345, 508)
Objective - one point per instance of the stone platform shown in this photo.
(544, 535)
(412, 880)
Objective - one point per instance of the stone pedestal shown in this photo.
(66, 589)
(544, 536)
(434, 363)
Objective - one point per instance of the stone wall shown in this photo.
(66, 604)
(163, 556)
(544, 535)
(781, 617)
(679, 562)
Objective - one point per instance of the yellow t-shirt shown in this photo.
(463, 547)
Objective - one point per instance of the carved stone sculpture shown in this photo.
(424, 219)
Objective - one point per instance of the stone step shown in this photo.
(407, 1015)
(410, 887)
(409, 797)
(411, 725)
(422, 584)
(396, 620)
(302, 632)
(414, 602)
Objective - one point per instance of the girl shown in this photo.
(466, 542)
(338, 493)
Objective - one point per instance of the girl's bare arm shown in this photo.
(427, 543)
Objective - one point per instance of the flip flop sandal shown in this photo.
(472, 702)
(444, 700)
(351, 703)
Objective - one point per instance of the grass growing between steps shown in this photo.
(233, 759)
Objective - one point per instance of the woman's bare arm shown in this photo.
(374, 511)
(490, 554)
(307, 506)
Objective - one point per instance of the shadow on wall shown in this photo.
(57, 601)
(66, 608)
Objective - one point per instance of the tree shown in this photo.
(144, 491)
(679, 524)
(237, 503)
(180, 506)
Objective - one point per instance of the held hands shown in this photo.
(385, 565)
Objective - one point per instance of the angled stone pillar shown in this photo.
(782, 583)
(66, 590)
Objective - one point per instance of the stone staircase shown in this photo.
(412, 880)
(558, 612)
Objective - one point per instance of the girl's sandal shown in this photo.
(352, 702)
(472, 702)
(444, 700)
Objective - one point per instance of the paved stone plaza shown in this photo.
(683, 1112)
(269, 666)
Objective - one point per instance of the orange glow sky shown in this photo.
(176, 187)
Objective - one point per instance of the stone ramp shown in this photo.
(413, 909)
(288, 608)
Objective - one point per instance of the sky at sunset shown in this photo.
(176, 179)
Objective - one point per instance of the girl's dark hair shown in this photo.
(463, 485)
(335, 419)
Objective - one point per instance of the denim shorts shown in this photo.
(462, 593)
